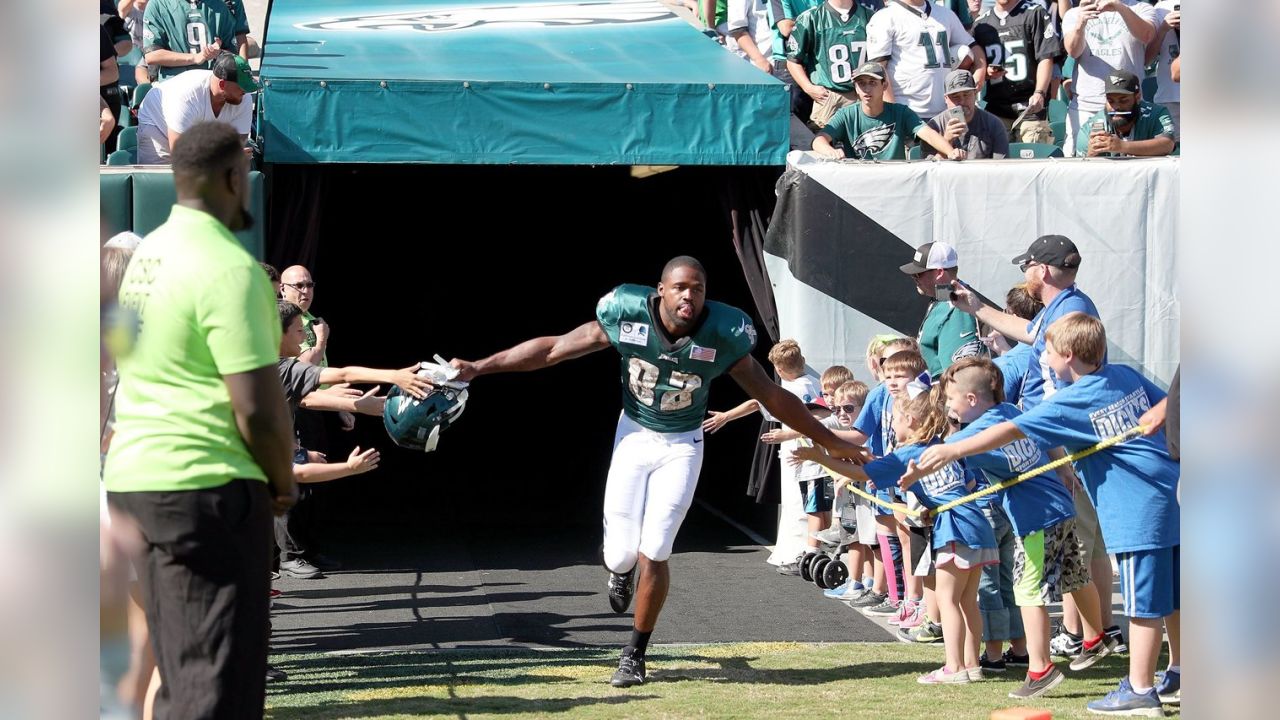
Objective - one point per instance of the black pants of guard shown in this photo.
(205, 580)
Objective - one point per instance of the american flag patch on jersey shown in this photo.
(700, 353)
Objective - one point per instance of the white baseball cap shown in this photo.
(931, 256)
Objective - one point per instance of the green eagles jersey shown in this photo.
(665, 384)
(829, 48)
(186, 28)
(1153, 121)
(884, 137)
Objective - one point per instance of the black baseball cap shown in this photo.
(1053, 250)
(1122, 82)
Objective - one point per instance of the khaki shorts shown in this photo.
(1029, 131)
(825, 110)
(1087, 528)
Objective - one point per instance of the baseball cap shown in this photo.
(931, 256)
(1122, 81)
(229, 66)
(1054, 250)
(959, 81)
(874, 69)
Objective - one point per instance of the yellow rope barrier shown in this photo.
(1109, 442)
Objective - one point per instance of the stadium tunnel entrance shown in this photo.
(412, 260)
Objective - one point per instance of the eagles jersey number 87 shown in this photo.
(665, 384)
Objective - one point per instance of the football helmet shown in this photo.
(417, 424)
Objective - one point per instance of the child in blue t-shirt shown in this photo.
(1132, 484)
(962, 540)
(1049, 559)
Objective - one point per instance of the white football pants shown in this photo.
(651, 481)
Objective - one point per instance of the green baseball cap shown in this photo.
(229, 66)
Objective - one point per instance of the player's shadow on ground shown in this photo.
(548, 629)
(346, 592)
(459, 707)
(420, 601)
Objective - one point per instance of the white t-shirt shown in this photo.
(183, 100)
(1167, 90)
(1110, 46)
(808, 389)
(917, 69)
(752, 15)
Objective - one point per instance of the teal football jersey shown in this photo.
(665, 385)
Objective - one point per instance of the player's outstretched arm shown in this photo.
(537, 353)
(788, 408)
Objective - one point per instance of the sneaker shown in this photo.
(868, 599)
(791, 568)
(621, 588)
(275, 674)
(1124, 701)
(849, 590)
(324, 562)
(905, 611)
(916, 617)
(996, 666)
(275, 575)
(1169, 687)
(927, 632)
(1066, 645)
(274, 593)
(1013, 660)
(942, 677)
(976, 674)
(1036, 688)
(1090, 656)
(300, 569)
(1121, 645)
(630, 670)
(834, 535)
(885, 609)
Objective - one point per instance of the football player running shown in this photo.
(672, 342)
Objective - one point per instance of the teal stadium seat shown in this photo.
(1057, 111)
(1059, 132)
(115, 196)
(1031, 151)
(128, 139)
(122, 157)
(915, 152)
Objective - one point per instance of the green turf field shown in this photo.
(764, 680)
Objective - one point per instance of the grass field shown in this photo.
(761, 680)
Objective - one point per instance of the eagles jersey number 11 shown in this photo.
(665, 384)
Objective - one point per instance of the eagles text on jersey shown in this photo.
(665, 382)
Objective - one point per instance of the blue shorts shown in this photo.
(817, 494)
(1149, 581)
(885, 494)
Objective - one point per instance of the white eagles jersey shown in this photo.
(922, 45)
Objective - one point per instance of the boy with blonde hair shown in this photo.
(794, 523)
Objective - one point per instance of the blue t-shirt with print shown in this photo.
(1033, 504)
(1132, 484)
(1013, 366)
(1040, 381)
(875, 421)
(963, 524)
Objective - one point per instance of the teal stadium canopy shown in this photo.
(515, 82)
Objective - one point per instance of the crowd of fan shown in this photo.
(965, 79)
(978, 578)
(184, 63)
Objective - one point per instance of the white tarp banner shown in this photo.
(841, 230)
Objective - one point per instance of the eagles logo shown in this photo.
(872, 142)
(466, 17)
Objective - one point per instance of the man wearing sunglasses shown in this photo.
(1049, 267)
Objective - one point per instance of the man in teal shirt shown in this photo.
(1128, 125)
(947, 334)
